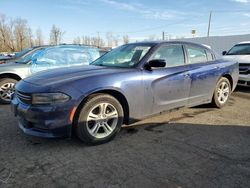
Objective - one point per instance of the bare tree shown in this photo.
(30, 37)
(101, 42)
(94, 41)
(125, 39)
(6, 34)
(39, 37)
(86, 40)
(15, 34)
(77, 40)
(3, 32)
(21, 33)
(116, 41)
(109, 36)
(56, 35)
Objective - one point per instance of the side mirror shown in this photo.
(224, 52)
(156, 63)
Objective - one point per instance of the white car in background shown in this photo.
(241, 54)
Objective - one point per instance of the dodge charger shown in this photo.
(129, 83)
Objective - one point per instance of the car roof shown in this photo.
(244, 42)
(173, 42)
(73, 46)
(65, 46)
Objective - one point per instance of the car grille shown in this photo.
(244, 68)
(24, 97)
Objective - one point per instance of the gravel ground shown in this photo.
(195, 147)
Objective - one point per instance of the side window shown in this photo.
(196, 54)
(68, 56)
(95, 54)
(172, 54)
(54, 56)
(77, 56)
(82, 55)
(210, 56)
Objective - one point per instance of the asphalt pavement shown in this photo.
(191, 147)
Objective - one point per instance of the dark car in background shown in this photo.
(18, 55)
(41, 59)
(241, 54)
(4, 57)
(129, 83)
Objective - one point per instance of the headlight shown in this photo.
(49, 98)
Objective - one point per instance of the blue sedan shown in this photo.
(129, 83)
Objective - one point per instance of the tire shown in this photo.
(99, 120)
(221, 93)
(7, 89)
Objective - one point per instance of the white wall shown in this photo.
(219, 43)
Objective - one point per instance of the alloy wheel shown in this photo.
(102, 120)
(223, 92)
(6, 91)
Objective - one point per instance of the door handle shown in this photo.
(216, 67)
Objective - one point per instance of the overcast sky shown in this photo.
(136, 18)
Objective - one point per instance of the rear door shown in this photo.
(168, 87)
(204, 72)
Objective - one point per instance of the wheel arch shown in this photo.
(229, 77)
(10, 75)
(116, 94)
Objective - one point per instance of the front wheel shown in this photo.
(7, 89)
(100, 119)
(221, 93)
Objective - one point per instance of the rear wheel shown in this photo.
(221, 93)
(7, 89)
(100, 119)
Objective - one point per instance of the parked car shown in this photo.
(240, 53)
(4, 57)
(15, 56)
(43, 59)
(129, 83)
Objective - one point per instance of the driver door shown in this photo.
(168, 87)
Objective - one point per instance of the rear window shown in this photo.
(240, 49)
(196, 54)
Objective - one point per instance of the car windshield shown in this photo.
(240, 49)
(125, 56)
(29, 56)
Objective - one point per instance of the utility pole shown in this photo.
(163, 35)
(209, 23)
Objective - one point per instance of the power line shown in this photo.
(230, 11)
(175, 23)
(147, 29)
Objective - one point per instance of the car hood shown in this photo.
(64, 75)
(238, 58)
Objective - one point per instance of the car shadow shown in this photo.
(187, 154)
(242, 89)
(143, 131)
